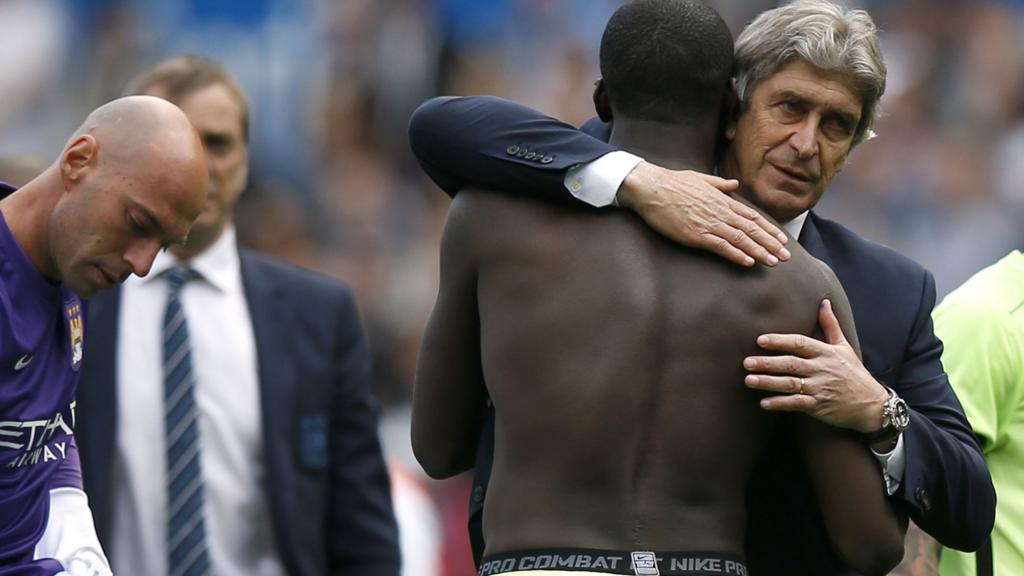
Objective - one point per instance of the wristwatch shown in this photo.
(895, 419)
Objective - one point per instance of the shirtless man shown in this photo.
(599, 432)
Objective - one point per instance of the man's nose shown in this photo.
(804, 139)
(140, 257)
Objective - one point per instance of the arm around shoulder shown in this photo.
(496, 143)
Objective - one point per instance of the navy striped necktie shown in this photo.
(186, 530)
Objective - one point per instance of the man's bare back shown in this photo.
(615, 370)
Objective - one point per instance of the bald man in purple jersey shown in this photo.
(129, 182)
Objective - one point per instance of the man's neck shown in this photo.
(27, 213)
(675, 146)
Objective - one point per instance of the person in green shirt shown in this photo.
(981, 324)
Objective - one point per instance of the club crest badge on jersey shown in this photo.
(76, 331)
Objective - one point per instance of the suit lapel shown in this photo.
(278, 386)
(810, 239)
(269, 313)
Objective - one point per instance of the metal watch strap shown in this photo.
(890, 428)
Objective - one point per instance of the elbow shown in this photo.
(438, 466)
(877, 555)
(432, 463)
(437, 462)
(972, 538)
(434, 469)
(974, 521)
(422, 124)
(986, 521)
(886, 558)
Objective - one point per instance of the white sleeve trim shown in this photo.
(597, 181)
(70, 536)
(893, 465)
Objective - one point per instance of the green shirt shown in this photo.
(982, 326)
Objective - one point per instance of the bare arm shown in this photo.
(865, 529)
(921, 555)
(449, 395)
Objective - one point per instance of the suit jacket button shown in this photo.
(512, 150)
(531, 156)
(922, 498)
(547, 160)
(478, 494)
(522, 153)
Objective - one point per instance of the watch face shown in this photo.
(900, 415)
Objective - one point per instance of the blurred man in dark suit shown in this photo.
(244, 438)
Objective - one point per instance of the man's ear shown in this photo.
(601, 104)
(80, 156)
(730, 111)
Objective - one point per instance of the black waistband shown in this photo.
(633, 563)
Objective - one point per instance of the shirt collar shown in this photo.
(218, 265)
(795, 226)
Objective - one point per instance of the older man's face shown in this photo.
(793, 139)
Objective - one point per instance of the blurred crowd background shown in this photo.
(335, 188)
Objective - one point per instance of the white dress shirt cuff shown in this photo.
(597, 181)
(893, 464)
(70, 537)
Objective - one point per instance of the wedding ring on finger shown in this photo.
(802, 382)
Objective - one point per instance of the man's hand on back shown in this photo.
(823, 379)
(695, 210)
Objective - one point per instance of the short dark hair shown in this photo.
(666, 60)
(180, 76)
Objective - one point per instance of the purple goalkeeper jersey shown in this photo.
(41, 332)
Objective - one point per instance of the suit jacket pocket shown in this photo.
(313, 446)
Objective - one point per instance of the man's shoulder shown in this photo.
(879, 264)
(479, 198)
(490, 218)
(804, 278)
(994, 295)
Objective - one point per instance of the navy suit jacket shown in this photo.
(946, 487)
(327, 483)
